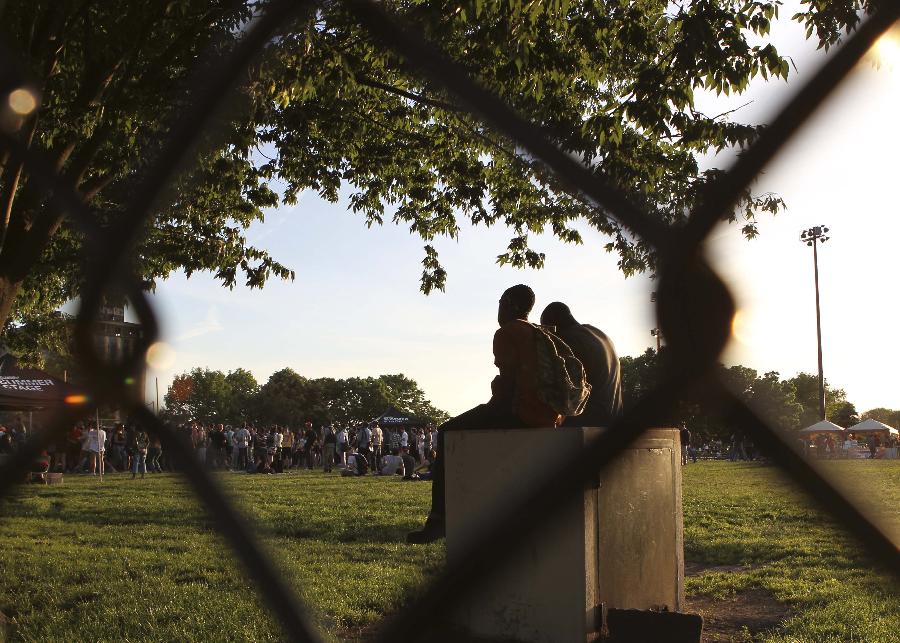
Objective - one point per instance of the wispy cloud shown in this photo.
(209, 325)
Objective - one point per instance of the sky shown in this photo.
(355, 308)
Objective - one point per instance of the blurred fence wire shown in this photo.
(694, 305)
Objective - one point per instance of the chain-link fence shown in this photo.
(694, 306)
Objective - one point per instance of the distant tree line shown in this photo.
(289, 398)
(791, 403)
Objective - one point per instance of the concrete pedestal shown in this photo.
(619, 544)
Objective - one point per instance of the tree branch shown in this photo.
(369, 82)
(90, 188)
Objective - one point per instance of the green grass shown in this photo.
(750, 515)
(139, 560)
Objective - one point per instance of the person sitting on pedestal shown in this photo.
(514, 401)
(596, 352)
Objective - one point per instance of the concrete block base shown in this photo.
(619, 544)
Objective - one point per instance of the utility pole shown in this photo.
(654, 332)
(157, 396)
(812, 237)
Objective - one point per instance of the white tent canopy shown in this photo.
(823, 427)
(871, 426)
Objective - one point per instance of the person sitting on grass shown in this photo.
(392, 464)
(409, 464)
(357, 465)
(40, 466)
(423, 471)
(263, 466)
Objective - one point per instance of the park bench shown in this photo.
(616, 546)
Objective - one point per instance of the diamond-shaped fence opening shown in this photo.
(695, 307)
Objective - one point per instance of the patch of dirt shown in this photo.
(757, 610)
(725, 619)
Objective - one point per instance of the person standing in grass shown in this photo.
(394, 440)
(153, 455)
(685, 435)
(287, 445)
(200, 442)
(94, 446)
(377, 441)
(312, 442)
(118, 445)
(229, 447)
(420, 446)
(428, 442)
(364, 443)
(141, 445)
(342, 444)
(328, 447)
(241, 443)
(297, 449)
(73, 446)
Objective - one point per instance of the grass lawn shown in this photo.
(751, 520)
(138, 560)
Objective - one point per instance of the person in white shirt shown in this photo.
(95, 445)
(377, 441)
(404, 438)
(229, 445)
(343, 445)
(277, 440)
(392, 464)
(241, 442)
(420, 445)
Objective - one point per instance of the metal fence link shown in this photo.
(694, 305)
(112, 272)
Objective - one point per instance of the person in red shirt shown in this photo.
(514, 400)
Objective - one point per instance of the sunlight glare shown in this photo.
(160, 356)
(22, 101)
(740, 327)
(886, 50)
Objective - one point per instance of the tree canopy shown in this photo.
(791, 403)
(327, 108)
(288, 398)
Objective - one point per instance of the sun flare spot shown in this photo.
(740, 327)
(160, 356)
(886, 50)
(22, 101)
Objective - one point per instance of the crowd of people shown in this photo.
(738, 447)
(358, 450)
(849, 445)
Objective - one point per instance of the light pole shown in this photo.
(654, 332)
(812, 237)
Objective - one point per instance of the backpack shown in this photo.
(560, 377)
